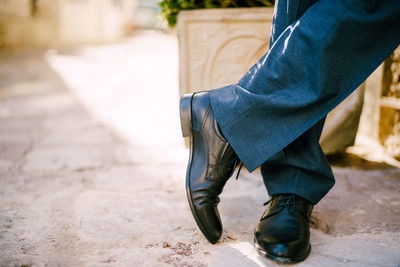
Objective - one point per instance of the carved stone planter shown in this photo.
(218, 46)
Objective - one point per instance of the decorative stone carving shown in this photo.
(389, 123)
(217, 46)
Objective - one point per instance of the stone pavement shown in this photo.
(92, 172)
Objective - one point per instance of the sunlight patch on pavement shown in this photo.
(131, 87)
(235, 255)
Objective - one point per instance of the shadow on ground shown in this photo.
(349, 160)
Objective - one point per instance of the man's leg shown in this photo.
(314, 64)
(278, 108)
(281, 97)
(301, 168)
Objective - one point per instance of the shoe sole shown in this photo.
(281, 260)
(185, 112)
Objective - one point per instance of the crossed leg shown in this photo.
(320, 52)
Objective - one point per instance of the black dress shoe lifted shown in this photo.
(283, 233)
(212, 162)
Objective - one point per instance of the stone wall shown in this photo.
(16, 8)
(389, 126)
(93, 20)
(43, 23)
(27, 23)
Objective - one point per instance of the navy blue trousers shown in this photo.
(321, 50)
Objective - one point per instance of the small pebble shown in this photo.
(231, 237)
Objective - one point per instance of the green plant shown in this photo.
(171, 8)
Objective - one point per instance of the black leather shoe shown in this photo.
(212, 162)
(283, 233)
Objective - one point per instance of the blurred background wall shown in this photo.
(146, 14)
(43, 23)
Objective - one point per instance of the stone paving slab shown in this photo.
(92, 170)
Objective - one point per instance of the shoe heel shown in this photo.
(185, 111)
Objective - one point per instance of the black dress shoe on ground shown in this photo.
(283, 233)
(212, 162)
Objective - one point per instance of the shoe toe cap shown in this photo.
(209, 223)
(284, 249)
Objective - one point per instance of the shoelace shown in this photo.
(240, 168)
(288, 201)
(233, 162)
